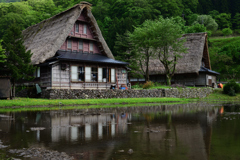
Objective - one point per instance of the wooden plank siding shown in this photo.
(45, 77)
(61, 79)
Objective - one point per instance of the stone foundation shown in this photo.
(104, 94)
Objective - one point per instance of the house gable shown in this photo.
(81, 38)
(47, 37)
(206, 57)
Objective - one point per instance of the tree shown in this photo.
(142, 45)
(167, 43)
(227, 61)
(207, 21)
(159, 39)
(18, 59)
(125, 53)
(223, 20)
(236, 21)
(196, 28)
(2, 54)
(227, 31)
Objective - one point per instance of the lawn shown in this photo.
(219, 96)
(60, 102)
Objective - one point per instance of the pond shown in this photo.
(186, 131)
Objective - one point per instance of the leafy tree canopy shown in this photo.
(18, 59)
(207, 21)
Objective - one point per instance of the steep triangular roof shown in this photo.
(46, 37)
(197, 48)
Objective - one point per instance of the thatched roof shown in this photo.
(46, 37)
(191, 61)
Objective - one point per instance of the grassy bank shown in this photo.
(60, 102)
(46, 108)
(218, 95)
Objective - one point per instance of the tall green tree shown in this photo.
(2, 55)
(140, 39)
(236, 21)
(18, 59)
(167, 43)
(207, 21)
(125, 52)
(224, 20)
(159, 39)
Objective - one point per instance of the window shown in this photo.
(100, 73)
(69, 44)
(37, 72)
(81, 74)
(84, 29)
(91, 46)
(76, 28)
(113, 75)
(94, 74)
(88, 74)
(74, 72)
(105, 74)
(77, 73)
(80, 44)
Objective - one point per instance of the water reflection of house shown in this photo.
(5, 122)
(74, 126)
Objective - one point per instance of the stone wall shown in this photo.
(104, 94)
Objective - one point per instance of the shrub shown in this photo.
(231, 88)
(217, 33)
(227, 31)
(148, 84)
(135, 86)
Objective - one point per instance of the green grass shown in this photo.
(219, 96)
(39, 102)
(45, 108)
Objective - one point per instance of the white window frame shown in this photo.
(100, 73)
(88, 74)
(74, 73)
(113, 75)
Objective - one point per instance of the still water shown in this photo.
(159, 132)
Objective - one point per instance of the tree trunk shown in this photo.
(168, 80)
(147, 68)
(147, 75)
(13, 89)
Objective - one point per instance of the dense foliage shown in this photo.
(17, 58)
(231, 88)
(224, 55)
(117, 17)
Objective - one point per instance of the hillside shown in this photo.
(225, 56)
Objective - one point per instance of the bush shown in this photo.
(209, 33)
(135, 86)
(148, 85)
(227, 31)
(231, 88)
(217, 33)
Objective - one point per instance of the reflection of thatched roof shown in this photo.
(191, 61)
(46, 37)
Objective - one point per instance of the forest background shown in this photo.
(116, 17)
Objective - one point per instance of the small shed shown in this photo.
(5, 87)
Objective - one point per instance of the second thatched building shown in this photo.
(193, 69)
